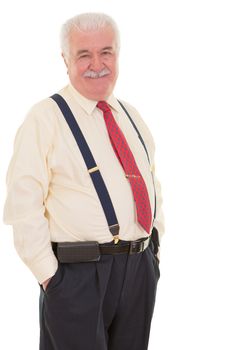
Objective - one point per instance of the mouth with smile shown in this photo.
(96, 75)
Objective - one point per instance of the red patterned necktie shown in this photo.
(129, 165)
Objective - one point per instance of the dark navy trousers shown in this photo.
(104, 305)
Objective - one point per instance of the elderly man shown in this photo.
(81, 200)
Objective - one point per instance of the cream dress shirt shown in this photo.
(51, 196)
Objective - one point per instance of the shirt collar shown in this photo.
(90, 105)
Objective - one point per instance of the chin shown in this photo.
(100, 89)
(99, 95)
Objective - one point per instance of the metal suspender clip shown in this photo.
(114, 229)
(92, 170)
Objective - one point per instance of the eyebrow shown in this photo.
(80, 52)
(107, 48)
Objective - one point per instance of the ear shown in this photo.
(64, 58)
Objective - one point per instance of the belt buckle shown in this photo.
(133, 245)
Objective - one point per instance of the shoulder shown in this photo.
(39, 124)
(41, 112)
(41, 117)
(45, 112)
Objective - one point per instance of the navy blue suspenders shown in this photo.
(92, 167)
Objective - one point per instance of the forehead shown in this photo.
(92, 40)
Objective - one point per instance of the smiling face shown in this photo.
(92, 62)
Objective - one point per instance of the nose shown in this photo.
(96, 63)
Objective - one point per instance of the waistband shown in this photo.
(72, 252)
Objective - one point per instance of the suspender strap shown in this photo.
(135, 127)
(143, 143)
(92, 167)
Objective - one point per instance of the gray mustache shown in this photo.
(93, 74)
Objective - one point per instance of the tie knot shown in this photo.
(103, 106)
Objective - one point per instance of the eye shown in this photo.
(106, 52)
(84, 56)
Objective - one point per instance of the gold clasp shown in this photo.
(116, 239)
(92, 170)
(131, 175)
(152, 168)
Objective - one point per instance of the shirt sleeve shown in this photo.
(27, 188)
(159, 218)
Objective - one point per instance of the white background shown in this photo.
(176, 69)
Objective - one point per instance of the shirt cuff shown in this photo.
(45, 268)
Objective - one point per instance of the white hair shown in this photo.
(87, 22)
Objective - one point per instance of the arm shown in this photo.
(27, 183)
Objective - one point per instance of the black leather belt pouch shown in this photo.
(75, 252)
(155, 240)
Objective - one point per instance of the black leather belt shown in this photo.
(130, 247)
(73, 252)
